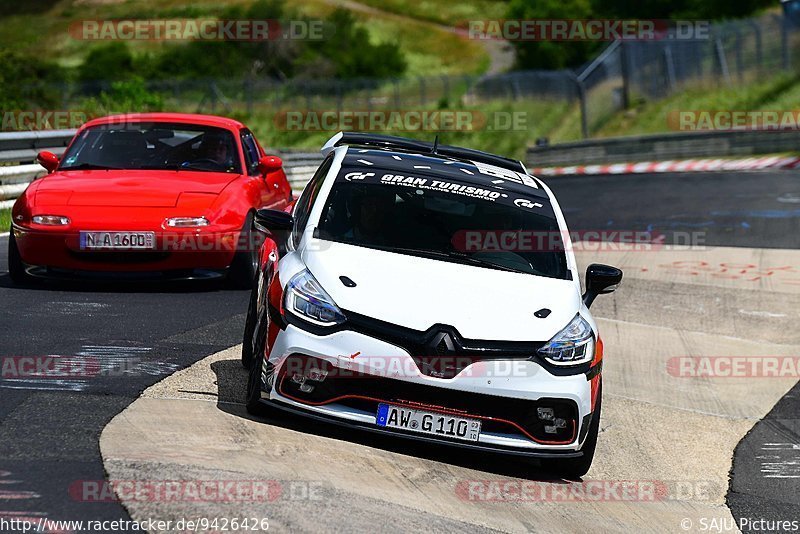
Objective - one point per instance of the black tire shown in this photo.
(245, 261)
(574, 468)
(254, 383)
(250, 323)
(16, 269)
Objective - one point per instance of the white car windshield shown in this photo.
(444, 219)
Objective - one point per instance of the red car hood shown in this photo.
(145, 188)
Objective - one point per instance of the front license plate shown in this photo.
(117, 240)
(436, 424)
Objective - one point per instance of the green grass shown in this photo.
(778, 92)
(492, 131)
(46, 33)
(5, 220)
(427, 49)
(443, 11)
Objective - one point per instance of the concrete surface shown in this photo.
(676, 434)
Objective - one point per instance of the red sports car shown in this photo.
(153, 192)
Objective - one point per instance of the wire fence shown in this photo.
(730, 54)
(626, 72)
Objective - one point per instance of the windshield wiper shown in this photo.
(164, 167)
(90, 167)
(483, 263)
(460, 257)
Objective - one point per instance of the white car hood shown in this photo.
(485, 304)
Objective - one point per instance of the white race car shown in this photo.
(429, 292)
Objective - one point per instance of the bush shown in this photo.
(552, 54)
(112, 61)
(680, 9)
(222, 59)
(124, 97)
(558, 55)
(346, 52)
(28, 81)
(353, 55)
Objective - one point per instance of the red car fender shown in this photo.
(278, 178)
(235, 201)
(267, 253)
(21, 210)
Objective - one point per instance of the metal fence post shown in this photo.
(739, 65)
(723, 61)
(624, 67)
(757, 34)
(582, 101)
(785, 42)
(670, 68)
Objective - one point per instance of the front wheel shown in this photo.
(250, 325)
(253, 402)
(16, 268)
(573, 468)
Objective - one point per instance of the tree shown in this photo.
(552, 54)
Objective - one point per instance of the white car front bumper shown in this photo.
(357, 361)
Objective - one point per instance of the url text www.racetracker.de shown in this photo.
(197, 524)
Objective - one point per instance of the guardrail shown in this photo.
(17, 156)
(663, 147)
(299, 166)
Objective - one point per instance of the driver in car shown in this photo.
(215, 148)
(370, 215)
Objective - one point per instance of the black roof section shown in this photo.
(414, 163)
(424, 147)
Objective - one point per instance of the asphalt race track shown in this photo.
(132, 335)
(745, 209)
(712, 302)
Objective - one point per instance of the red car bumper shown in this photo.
(211, 249)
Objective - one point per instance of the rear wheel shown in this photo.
(245, 260)
(572, 468)
(16, 269)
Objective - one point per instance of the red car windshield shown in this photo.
(154, 146)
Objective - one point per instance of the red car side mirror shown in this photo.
(269, 164)
(48, 160)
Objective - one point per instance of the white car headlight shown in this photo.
(573, 345)
(186, 222)
(306, 299)
(51, 220)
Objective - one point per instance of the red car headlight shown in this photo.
(51, 220)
